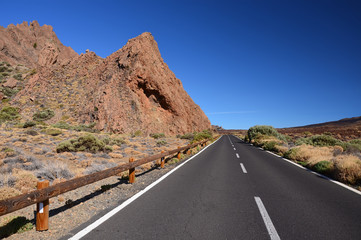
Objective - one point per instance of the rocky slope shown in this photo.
(132, 89)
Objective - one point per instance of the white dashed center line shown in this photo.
(237, 155)
(243, 168)
(267, 220)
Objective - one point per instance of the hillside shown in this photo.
(130, 90)
(344, 129)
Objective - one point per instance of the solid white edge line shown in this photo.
(267, 220)
(318, 174)
(101, 220)
(237, 155)
(243, 168)
(273, 154)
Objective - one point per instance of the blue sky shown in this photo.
(280, 63)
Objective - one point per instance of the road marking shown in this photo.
(267, 220)
(237, 155)
(243, 168)
(101, 220)
(273, 154)
(234, 149)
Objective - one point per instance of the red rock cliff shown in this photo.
(132, 89)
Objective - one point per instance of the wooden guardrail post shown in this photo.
(42, 210)
(179, 154)
(162, 161)
(131, 172)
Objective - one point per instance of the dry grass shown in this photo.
(313, 155)
(348, 168)
(8, 192)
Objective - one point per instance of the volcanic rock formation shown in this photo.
(132, 89)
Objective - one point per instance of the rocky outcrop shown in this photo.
(32, 45)
(132, 89)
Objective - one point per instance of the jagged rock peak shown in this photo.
(33, 45)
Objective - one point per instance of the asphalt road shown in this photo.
(236, 191)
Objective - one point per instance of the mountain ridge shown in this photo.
(132, 89)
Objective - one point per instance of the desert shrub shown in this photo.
(8, 113)
(320, 141)
(9, 152)
(257, 130)
(113, 141)
(353, 146)
(31, 132)
(29, 124)
(53, 132)
(54, 171)
(15, 225)
(323, 167)
(157, 135)
(87, 143)
(137, 133)
(7, 180)
(188, 136)
(18, 76)
(43, 115)
(205, 134)
(97, 167)
(292, 153)
(270, 146)
(161, 143)
(61, 125)
(348, 168)
(9, 92)
(85, 128)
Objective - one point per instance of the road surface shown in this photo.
(236, 191)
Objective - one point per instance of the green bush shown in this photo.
(29, 124)
(85, 128)
(270, 146)
(87, 143)
(323, 167)
(8, 113)
(43, 115)
(157, 135)
(291, 154)
(61, 125)
(137, 133)
(113, 141)
(205, 134)
(188, 136)
(161, 143)
(258, 130)
(53, 132)
(321, 141)
(9, 92)
(18, 76)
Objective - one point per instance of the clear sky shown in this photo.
(247, 62)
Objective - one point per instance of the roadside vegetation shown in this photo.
(325, 154)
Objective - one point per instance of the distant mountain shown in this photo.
(132, 89)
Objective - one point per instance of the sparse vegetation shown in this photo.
(157, 135)
(161, 143)
(321, 153)
(8, 113)
(53, 132)
(43, 115)
(29, 124)
(137, 133)
(87, 143)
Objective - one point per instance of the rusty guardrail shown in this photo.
(44, 192)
